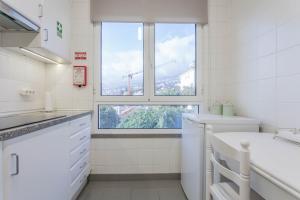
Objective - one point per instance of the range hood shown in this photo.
(11, 20)
(41, 42)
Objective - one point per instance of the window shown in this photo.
(122, 59)
(143, 116)
(146, 76)
(175, 59)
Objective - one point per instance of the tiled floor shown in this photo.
(133, 190)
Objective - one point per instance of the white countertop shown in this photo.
(277, 158)
(219, 119)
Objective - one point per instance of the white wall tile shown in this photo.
(286, 10)
(135, 156)
(271, 94)
(145, 157)
(288, 115)
(219, 47)
(288, 61)
(267, 43)
(60, 78)
(266, 67)
(18, 72)
(266, 90)
(288, 88)
(289, 34)
(219, 13)
(219, 2)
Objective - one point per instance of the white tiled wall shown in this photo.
(18, 72)
(264, 73)
(60, 78)
(135, 156)
(218, 55)
(109, 156)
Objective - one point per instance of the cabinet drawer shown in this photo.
(79, 124)
(78, 153)
(79, 138)
(79, 167)
(79, 181)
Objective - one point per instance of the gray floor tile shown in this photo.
(90, 194)
(133, 190)
(115, 193)
(171, 194)
(145, 194)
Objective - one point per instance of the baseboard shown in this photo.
(134, 177)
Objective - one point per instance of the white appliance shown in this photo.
(193, 147)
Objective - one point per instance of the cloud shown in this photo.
(178, 52)
(120, 64)
(181, 50)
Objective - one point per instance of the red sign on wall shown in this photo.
(80, 55)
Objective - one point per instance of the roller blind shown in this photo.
(150, 11)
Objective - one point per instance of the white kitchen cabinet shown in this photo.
(1, 174)
(36, 166)
(31, 9)
(79, 148)
(41, 165)
(56, 16)
(53, 39)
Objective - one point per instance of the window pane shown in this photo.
(175, 59)
(143, 116)
(122, 59)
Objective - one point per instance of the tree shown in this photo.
(141, 118)
(154, 117)
(170, 117)
(177, 91)
(188, 91)
(109, 117)
(174, 91)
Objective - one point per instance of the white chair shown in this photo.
(219, 190)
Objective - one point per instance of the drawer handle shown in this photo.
(81, 181)
(82, 138)
(83, 151)
(17, 170)
(84, 164)
(84, 177)
(46, 35)
(83, 124)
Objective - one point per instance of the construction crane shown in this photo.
(131, 75)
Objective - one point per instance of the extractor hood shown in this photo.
(23, 35)
(11, 20)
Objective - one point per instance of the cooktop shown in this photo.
(14, 121)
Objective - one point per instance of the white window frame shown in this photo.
(149, 97)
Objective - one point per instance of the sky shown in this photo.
(122, 51)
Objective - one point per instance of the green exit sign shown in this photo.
(59, 28)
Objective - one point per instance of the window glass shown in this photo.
(122, 72)
(175, 59)
(143, 116)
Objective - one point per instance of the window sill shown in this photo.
(135, 135)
